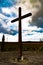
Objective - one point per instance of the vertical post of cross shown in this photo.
(20, 34)
(20, 31)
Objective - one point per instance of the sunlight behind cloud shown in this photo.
(32, 27)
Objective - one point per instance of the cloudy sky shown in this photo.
(32, 27)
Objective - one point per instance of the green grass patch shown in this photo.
(19, 61)
(25, 47)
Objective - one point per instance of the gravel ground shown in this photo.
(33, 58)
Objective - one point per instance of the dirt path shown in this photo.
(33, 58)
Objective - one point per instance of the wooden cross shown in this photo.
(20, 35)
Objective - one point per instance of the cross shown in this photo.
(20, 35)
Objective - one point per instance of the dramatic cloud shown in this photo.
(7, 3)
(32, 27)
(6, 26)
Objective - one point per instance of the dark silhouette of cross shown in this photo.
(20, 35)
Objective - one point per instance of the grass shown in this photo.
(19, 61)
(25, 47)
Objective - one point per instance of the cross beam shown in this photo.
(20, 35)
(22, 17)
